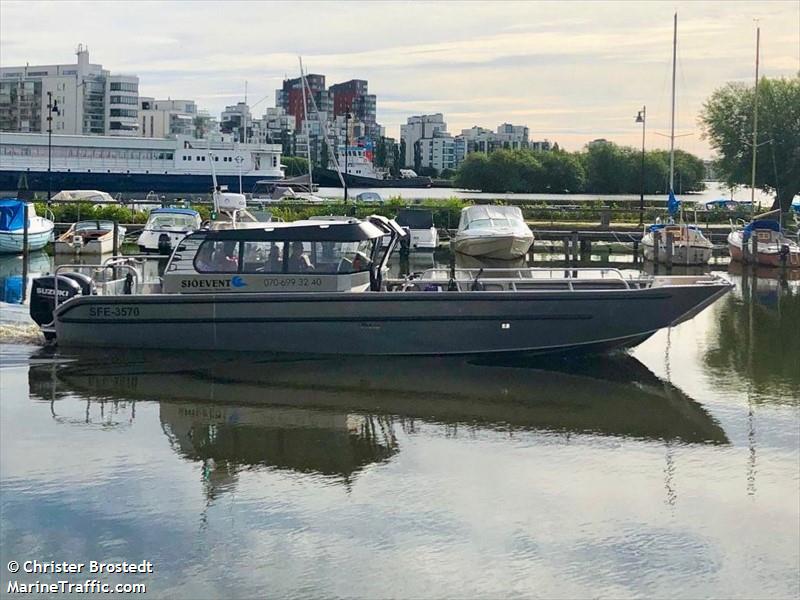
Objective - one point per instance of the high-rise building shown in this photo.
(353, 97)
(417, 128)
(167, 118)
(236, 119)
(90, 99)
(290, 97)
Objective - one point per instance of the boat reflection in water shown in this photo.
(757, 346)
(334, 416)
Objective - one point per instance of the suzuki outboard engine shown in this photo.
(43, 295)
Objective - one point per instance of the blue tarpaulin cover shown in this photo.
(760, 224)
(12, 213)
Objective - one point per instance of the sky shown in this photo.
(571, 71)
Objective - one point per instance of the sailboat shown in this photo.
(689, 245)
(773, 247)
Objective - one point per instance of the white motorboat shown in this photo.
(321, 287)
(12, 227)
(773, 247)
(493, 232)
(422, 233)
(166, 227)
(90, 237)
(689, 245)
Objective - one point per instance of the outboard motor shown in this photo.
(82, 279)
(164, 244)
(43, 296)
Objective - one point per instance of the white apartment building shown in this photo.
(166, 118)
(419, 127)
(90, 99)
(438, 152)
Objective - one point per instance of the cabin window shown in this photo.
(217, 257)
(341, 257)
(263, 257)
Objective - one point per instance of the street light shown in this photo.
(52, 107)
(347, 117)
(239, 160)
(642, 118)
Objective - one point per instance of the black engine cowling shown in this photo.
(164, 244)
(43, 295)
(82, 279)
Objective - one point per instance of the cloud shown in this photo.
(479, 63)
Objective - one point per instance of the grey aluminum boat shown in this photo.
(320, 287)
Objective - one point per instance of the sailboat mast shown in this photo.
(755, 127)
(672, 120)
(305, 118)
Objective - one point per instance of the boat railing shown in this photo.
(113, 266)
(520, 279)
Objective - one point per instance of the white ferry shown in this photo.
(117, 164)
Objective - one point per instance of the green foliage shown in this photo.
(727, 119)
(447, 174)
(602, 168)
(295, 165)
(69, 213)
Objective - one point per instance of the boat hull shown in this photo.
(11, 242)
(683, 253)
(506, 247)
(105, 245)
(330, 178)
(768, 255)
(382, 323)
(36, 181)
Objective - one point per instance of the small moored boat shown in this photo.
(90, 237)
(689, 245)
(166, 227)
(422, 233)
(321, 287)
(493, 232)
(773, 247)
(12, 227)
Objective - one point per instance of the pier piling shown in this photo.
(25, 252)
(656, 246)
(670, 249)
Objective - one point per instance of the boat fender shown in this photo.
(43, 295)
(127, 287)
(452, 286)
(87, 283)
(164, 244)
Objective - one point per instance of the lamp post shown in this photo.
(346, 151)
(239, 160)
(642, 118)
(52, 107)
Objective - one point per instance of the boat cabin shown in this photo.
(303, 256)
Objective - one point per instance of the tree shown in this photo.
(727, 120)
(563, 172)
(295, 165)
(324, 158)
(610, 169)
(380, 153)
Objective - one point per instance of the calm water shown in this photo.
(672, 471)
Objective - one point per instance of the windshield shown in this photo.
(415, 219)
(174, 221)
(94, 225)
(285, 257)
(488, 223)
